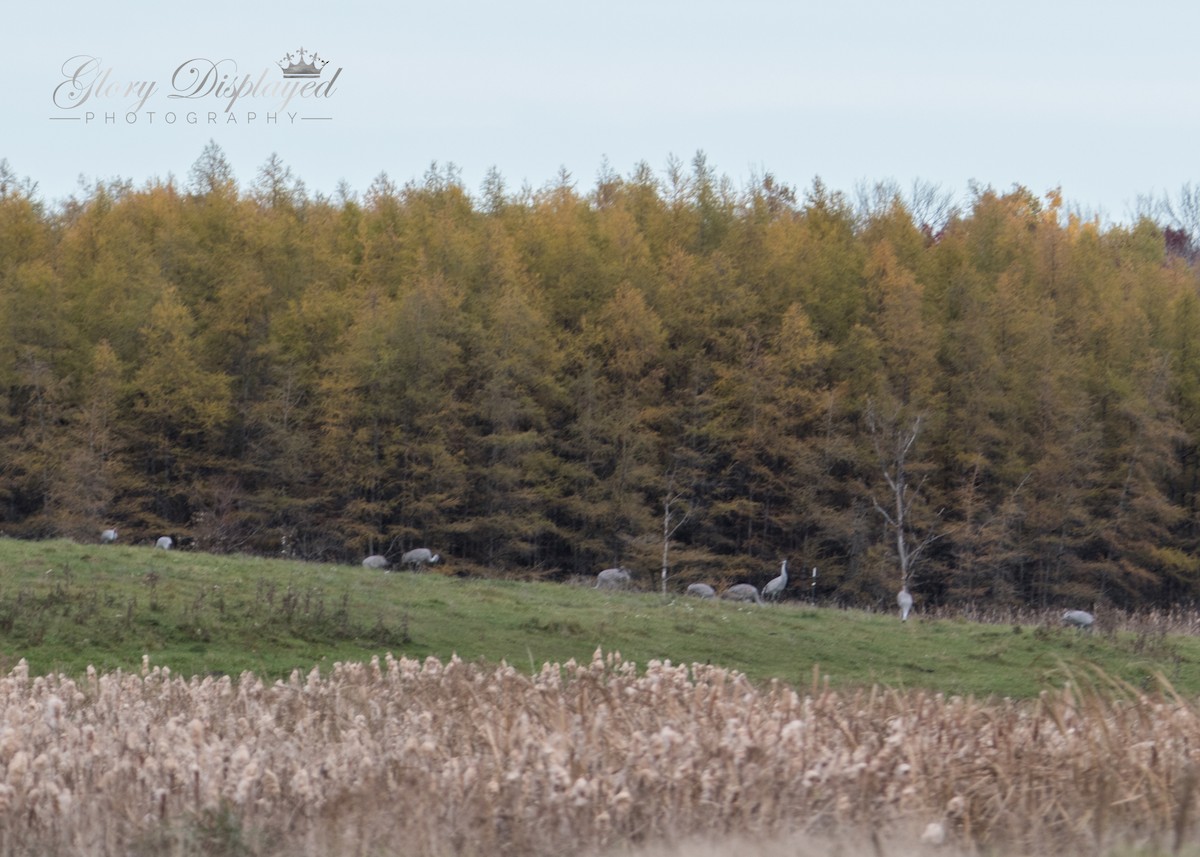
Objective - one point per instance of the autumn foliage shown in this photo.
(522, 379)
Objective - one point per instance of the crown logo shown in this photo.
(311, 67)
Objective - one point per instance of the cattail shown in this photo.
(581, 792)
(18, 766)
(53, 708)
(196, 732)
(934, 834)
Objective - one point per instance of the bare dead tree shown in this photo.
(929, 205)
(1179, 218)
(893, 445)
(670, 525)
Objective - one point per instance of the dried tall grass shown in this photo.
(1158, 621)
(432, 758)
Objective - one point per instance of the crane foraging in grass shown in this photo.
(108, 536)
(742, 592)
(1080, 619)
(613, 578)
(376, 561)
(419, 558)
(701, 590)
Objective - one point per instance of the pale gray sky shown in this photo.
(1098, 98)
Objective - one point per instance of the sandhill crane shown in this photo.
(164, 542)
(1079, 618)
(775, 586)
(904, 599)
(613, 578)
(376, 561)
(701, 590)
(742, 592)
(108, 536)
(419, 558)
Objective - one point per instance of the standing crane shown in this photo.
(774, 587)
(905, 600)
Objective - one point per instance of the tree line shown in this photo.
(997, 401)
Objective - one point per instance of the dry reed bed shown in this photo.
(1159, 621)
(429, 758)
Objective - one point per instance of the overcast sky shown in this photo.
(1100, 99)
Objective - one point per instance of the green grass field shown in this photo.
(64, 606)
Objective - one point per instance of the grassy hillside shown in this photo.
(64, 606)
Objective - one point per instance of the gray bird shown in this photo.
(1079, 618)
(613, 578)
(742, 592)
(701, 590)
(108, 536)
(904, 599)
(775, 586)
(164, 542)
(419, 558)
(376, 561)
